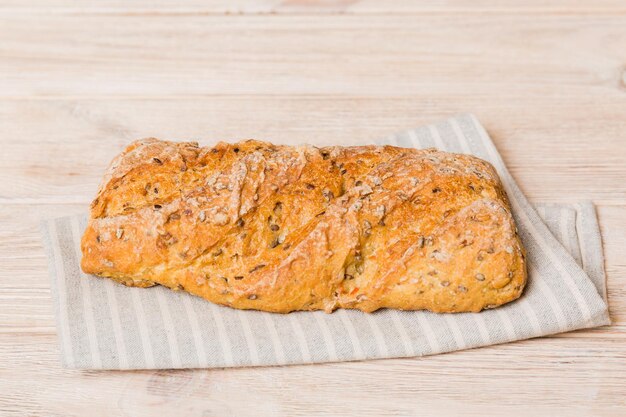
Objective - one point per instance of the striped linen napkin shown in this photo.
(104, 325)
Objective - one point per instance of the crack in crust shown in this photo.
(254, 225)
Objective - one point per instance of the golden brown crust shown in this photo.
(259, 226)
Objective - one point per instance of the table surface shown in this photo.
(78, 82)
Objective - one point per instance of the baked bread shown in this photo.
(254, 225)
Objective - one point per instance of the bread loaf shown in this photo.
(254, 225)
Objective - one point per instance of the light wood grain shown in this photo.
(79, 80)
(503, 380)
(551, 56)
(308, 6)
(549, 159)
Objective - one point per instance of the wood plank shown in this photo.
(543, 377)
(56, 150)
(307, 6)
(561, 57)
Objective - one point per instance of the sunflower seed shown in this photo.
(256, 268)
(366, 190)
(380, 211)
(328, 194)
(367, 228)
(220, 219)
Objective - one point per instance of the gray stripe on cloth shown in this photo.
(590, 245)
(97, 340)
(81, 346)
(50, 239)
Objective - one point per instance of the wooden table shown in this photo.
(79, 81)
